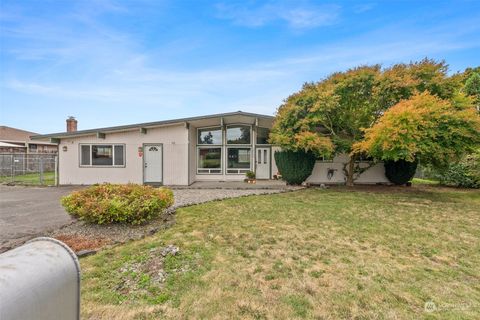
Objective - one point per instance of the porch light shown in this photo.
(64, 148)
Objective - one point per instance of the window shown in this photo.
(104, 155)
(210, 136)
(238, 134)
(209, 160)
(33, 147)
(262, 135)
(118, 155)
(238, 160)
(85, 155)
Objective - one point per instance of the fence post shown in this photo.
(56, 171)
(41, 170)
(12, 164)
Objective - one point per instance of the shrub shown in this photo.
(250, 175)
(294, 166)
(400, 172)
(125, 203)
(465, 173)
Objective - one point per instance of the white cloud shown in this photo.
(296, 14)
(96, 65)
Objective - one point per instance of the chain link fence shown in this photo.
(28, 169)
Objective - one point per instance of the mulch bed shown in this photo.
(81, 236)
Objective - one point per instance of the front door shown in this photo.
(262, 164)
(152, 163)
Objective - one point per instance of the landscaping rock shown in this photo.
(152, 266)
(170, 249)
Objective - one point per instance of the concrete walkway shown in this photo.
(238, 185)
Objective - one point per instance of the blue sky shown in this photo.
(120, 62)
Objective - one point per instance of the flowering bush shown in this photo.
(124, 203)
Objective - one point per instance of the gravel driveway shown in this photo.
(186, 197)
(28, 212)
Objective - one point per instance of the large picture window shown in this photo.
(227, 149)
(210, 136)
(103, 155)
(238, 134)
(238, 160)
(209, 160)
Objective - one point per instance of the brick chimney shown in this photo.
(71, 124)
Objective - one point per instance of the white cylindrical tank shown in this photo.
(40, 280)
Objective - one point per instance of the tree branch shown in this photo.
(359, 170)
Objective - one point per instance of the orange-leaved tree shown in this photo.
(330, 117)
(425, 128)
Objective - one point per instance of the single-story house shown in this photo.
(220, 147)
(13, 140)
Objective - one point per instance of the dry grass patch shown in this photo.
(315, 254)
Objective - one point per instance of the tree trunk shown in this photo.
(350, 172)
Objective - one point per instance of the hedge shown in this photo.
(294, 166)
(400, 172)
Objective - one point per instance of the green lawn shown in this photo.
(424, 181)
(315, 254)
(30, 179)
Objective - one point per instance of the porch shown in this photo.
(239, 185)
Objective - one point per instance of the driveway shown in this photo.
(27, 212)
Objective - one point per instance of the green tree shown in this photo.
(329, 117)
(424, 128)
(472, 87)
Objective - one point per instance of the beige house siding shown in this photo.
(375, 174)
(175, 157)
(274, 164)
(192, 148)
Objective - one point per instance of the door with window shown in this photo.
(262, 164)
(153, 163)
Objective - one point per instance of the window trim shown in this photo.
(199, 147)
(210, 127)
(238, 144)
(239, 170)
(113, 155)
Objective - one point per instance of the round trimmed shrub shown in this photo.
(400, 172)
(294, 166)
(118, 203)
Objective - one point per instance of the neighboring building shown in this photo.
(221, 147)
(13, 140)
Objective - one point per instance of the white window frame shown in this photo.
(211, 127)
(209, 170)
(209, 146)
(238, 170)
(113, 165)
